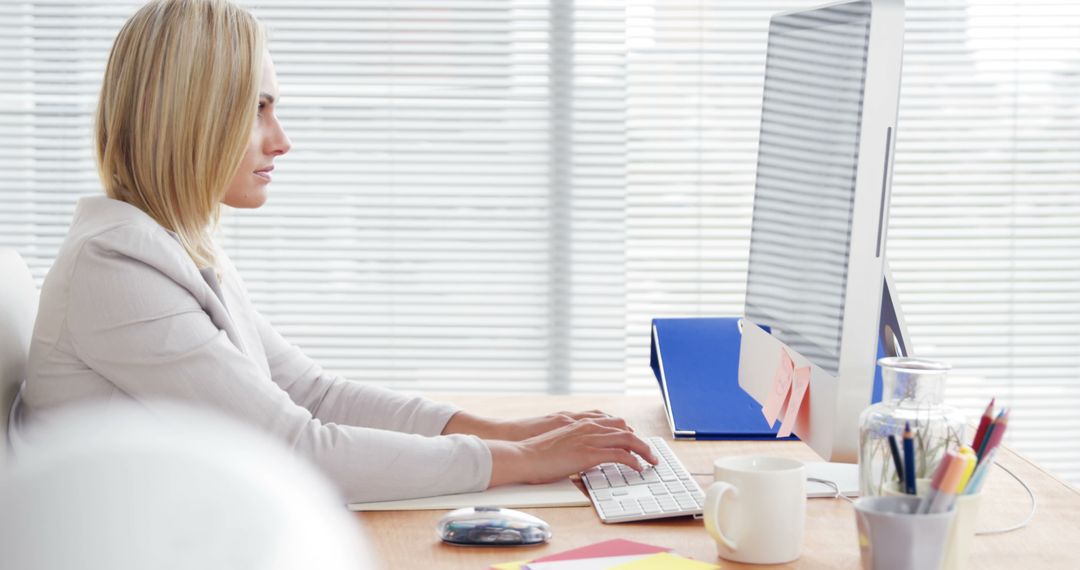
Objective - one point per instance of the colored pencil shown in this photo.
(946, 495)
(979, 476)
(935, 483)
(894, 449)
(984, 423)
(996, 432)
(909, 460)
(970, 460)
(981, 450)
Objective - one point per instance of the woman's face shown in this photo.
(248, 187)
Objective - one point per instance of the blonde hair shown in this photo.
(178, 102)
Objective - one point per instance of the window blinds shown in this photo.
(499, 195)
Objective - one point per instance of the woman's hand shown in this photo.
(523, 428)
(566, 450)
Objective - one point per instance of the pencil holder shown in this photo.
(961, 531)
(913, 390)
(893, 537)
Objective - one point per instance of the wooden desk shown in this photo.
(406, 540)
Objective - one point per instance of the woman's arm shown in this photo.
(131, 320)
(522, 428)
(333, 399)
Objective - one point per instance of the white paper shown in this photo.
(561, 493)
(845, 475)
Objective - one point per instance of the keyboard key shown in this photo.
(658, 489)
(609, 506)
(619, 492)
(675, 487)
(650, 506)
(617, 482)
(633, 478)
(650, 476)
(602, 494)
(669, 506)
(600, 482)
(630, 506)
(685, 501)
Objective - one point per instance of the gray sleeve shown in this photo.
(148, 335)
(334, 399)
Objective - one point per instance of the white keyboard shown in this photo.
(621, 494)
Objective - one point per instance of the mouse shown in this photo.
(492, 526)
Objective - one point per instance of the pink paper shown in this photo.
(780, 389)
(616, 547)
(800, 382)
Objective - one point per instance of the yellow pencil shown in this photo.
(970, 460)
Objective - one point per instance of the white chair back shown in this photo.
(18, 308)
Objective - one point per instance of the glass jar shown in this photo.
(913, 391)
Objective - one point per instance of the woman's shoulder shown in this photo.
(104, 220)
(109, 238)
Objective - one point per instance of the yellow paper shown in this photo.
(665, 561)
(510, 565)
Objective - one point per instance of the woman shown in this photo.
(141, 304)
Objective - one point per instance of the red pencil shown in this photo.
(984, 422)
(997, 433)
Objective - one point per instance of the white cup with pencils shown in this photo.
(957, 484)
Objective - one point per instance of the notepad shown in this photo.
(561, 493)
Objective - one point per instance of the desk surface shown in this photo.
(406, 539)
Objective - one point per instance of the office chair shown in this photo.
(119, 486)
(18, 309)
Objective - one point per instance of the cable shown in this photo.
(835, 487)
(1030, 514)
(1018, 526)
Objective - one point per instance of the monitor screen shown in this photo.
(809, 149)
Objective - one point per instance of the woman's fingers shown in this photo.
(615, 455)
(587, 414)
(609, 423)
(621, 440)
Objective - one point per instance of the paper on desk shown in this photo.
(666, 561)
(561, 493)
(844, 475)
(603, 563)
(607, 548)
(598, 553)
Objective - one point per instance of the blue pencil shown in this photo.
(894, 450)
(909, 460)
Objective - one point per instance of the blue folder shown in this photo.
(696, 362)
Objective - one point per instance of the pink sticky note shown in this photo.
(780, 388)
(800, 382)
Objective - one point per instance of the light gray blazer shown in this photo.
(125, 314)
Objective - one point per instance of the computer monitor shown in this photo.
(818, 285)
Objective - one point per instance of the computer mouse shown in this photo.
(492, 526)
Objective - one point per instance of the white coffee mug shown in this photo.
(756, 509)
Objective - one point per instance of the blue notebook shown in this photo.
(696, 362)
